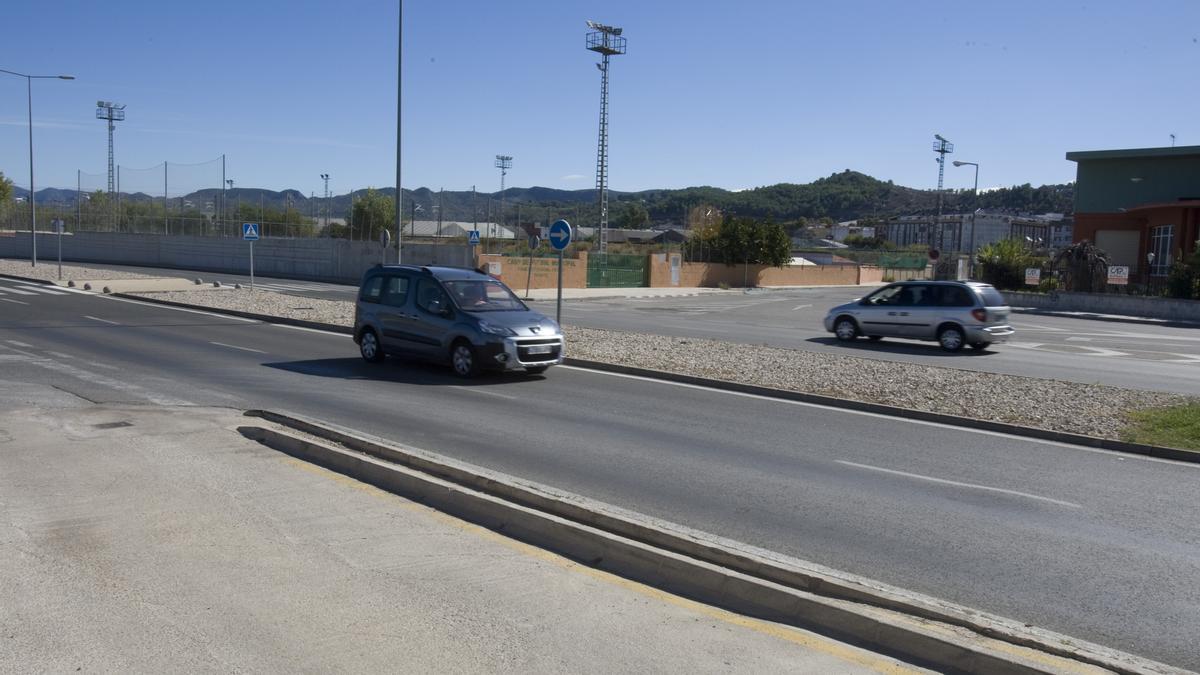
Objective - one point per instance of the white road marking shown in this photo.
(177, 309)
(245, 349)
(955, 483)
(19, 344)
(15, 302)
(1079, 339)
(482, 391)
(18, 291)
(60, 355)
(800, 307)
(94, 378)
(96, 318)
(889, 418)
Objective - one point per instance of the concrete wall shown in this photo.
(514, 271)
(714, 274)
(334, 260)
(1109, 303)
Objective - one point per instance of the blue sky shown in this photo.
(734, 95)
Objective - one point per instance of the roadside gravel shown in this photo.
(1093, 410)
(47, 270)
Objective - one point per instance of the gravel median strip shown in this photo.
(1088, 409)
(47, 270)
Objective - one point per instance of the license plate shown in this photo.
(541, 349)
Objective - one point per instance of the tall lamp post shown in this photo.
(33, 199)
(975, 212)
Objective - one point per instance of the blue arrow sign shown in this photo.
(250, 231)
(560, 234)
(473, 237)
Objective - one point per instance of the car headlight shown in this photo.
(494, 329)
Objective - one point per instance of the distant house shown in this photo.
(1134, 203)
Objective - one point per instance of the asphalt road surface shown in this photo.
(1097, 545)
(1138, 356)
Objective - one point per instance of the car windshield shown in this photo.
(888, 295)
(478, 295)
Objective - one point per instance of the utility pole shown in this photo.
(325, 177)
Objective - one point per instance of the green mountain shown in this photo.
(848, 195)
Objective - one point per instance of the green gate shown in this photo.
(616, 271)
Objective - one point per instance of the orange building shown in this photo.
(1135, 204)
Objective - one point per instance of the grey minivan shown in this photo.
(452, 315)
(954, 313)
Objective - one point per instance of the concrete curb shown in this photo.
(1191, 456)
(696, 565)
(892, 411)
(265, 318)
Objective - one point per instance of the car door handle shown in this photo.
(903, 313)
(891, 313)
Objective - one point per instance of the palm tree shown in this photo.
(1085, 267)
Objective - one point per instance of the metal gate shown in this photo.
(616, 271)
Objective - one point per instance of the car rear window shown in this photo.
(991, 297)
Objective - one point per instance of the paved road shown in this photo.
(1093, 544)
(1154, 357)
(1077, 350)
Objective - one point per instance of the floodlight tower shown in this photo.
(113, 112)
(504, 163)
(606, 41)
(943, 147)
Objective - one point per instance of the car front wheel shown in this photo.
(845, 329)
(462, 359)
(368, 346)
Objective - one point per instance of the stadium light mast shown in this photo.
(943, 147)
(111, 112)
(504, 163)
(606, 41)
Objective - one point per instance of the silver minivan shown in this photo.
(452, 315)
(954, 313)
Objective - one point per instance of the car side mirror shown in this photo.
(864, 301)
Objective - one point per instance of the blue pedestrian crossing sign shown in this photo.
(250, 231)
(473, 237)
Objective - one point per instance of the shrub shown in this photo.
(888, 278)
(1003, 264)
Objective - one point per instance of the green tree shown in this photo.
(634, 216)
(1184, 280)
(746, 241)
(6, 190)
(372, 214)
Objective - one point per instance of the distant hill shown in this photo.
(848, 195)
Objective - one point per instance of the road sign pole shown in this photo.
(60, 234)
(558, 313)
(252, 265)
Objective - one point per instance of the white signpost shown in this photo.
(1033, 276)
(1118, 275)
(250, 234)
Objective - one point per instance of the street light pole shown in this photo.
(32, 198)
(975, 212)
